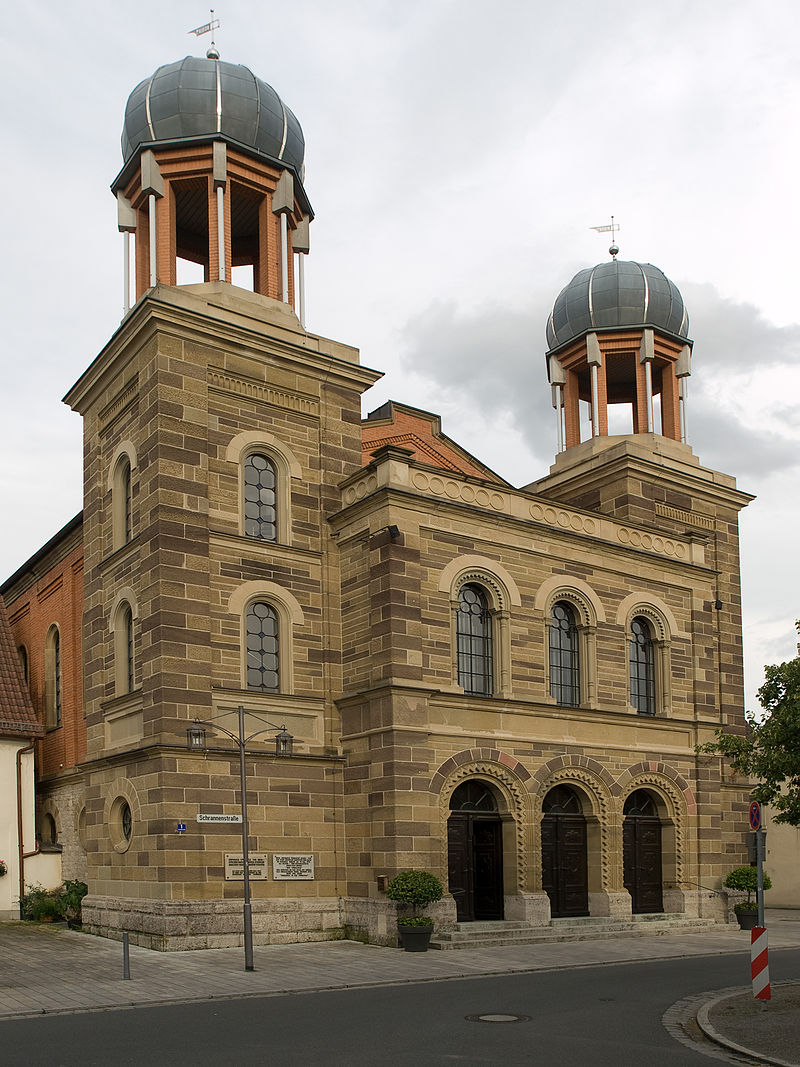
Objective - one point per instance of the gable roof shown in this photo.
(17, 716)
(421, 433)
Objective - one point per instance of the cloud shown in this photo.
(490, 360)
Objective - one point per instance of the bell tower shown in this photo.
(213, 174)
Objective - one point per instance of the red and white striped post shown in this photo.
(759, 963)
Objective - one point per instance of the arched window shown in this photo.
(263, 660)
(53, 694)
(564, 658)
(22, 652)
(122, 502)
(127, 647)
(474, 640)
(642, 667)
(260, 498)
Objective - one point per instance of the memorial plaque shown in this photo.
(234, 866)
(292, 867)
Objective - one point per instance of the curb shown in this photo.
(714, 1035)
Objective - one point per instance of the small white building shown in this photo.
(22, 863)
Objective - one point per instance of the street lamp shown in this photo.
(284, 743)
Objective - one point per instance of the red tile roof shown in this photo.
(17, 717)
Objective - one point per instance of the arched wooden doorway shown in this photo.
(641, 853)
(475, 852)
(564, 867)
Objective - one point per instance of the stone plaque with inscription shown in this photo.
(234, 866)
(292, 867)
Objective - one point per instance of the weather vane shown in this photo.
(208, 27)
(612, 229)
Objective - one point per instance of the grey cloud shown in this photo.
(491, 361)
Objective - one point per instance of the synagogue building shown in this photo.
(504, 686)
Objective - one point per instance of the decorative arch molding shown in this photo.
(502, 771)
(676, 796)
(574, 590)
(654, 610)
(252, 440)
(487, 572)
(594, 782)
(271, 592)
(124, 596)
(125, 448)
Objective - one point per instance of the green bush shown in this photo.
(417, 889)
(43, 905)
(744, 880)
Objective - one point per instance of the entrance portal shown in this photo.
(641, 853)
(475, 852)
(564, 868)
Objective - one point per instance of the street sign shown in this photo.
(219, 818)
(181, 827)
(755, 815)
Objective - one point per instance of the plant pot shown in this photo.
(747, 919)
(415, 938)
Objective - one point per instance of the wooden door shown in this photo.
(475, 865)
(564, 867)
(641, 861)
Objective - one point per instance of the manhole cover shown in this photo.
(497, 1017)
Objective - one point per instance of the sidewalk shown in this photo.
(46, 969)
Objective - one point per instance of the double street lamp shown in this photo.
(284, 742)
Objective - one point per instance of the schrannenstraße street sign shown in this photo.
(218, 818)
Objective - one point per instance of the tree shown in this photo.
(770, 750)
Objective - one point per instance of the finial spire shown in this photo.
(208, 27)
(613, 248)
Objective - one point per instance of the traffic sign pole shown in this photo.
(760, 875)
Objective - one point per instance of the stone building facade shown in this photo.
(503, 686)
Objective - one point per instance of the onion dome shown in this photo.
(613, 294)
(200, 98)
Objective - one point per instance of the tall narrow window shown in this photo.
(127, 502)
(122, 502)
(57, 680)
(474, 637)
(260, 505)
(564, 662)
(263, 670)
(642, 667)
(52, 664)
(22, 652)
(127, 638)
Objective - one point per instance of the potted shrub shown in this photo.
(415, 889)
(3, 868)
(743, 880)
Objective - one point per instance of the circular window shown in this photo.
(121, 824)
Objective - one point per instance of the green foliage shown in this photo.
(416, 889)
(770, 751)
(745, 880)
(43, 905)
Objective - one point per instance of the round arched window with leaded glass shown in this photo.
(474, 637)
(642, 667)
(263, 665)
(565, 684)
(260, 504)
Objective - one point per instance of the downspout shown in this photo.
(23, 855)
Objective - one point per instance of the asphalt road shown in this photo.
(608, 1015)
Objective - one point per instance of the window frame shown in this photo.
(642, 686)
(486, 640)
(567, 694)
(54, 693)
(121, 487)
(276, 615)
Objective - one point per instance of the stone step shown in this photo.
(499, 933)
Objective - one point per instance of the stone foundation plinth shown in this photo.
(532, 907)
(196, 924)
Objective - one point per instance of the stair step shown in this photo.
(497, 934)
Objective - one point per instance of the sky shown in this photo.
(457, 156)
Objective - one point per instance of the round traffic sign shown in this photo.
(755, 815)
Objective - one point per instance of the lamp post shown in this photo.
(196, 742)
